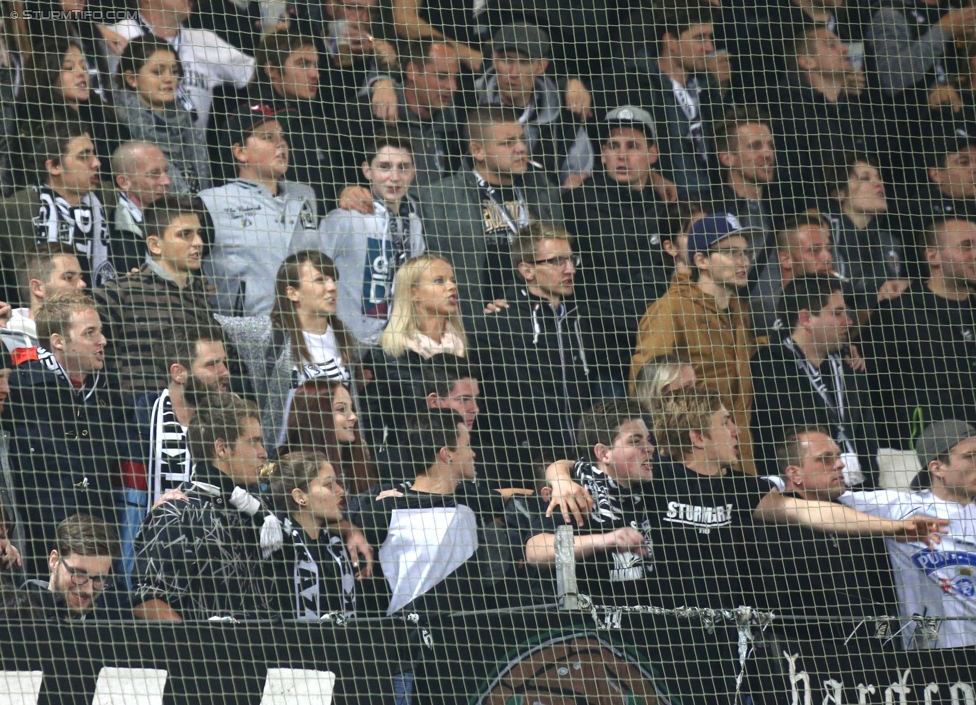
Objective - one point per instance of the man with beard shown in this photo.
(193, 362)
(168, 292)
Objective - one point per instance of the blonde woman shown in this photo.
(425, 320)
(661, 376)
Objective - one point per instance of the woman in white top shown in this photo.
(302, 339)
(425, 320)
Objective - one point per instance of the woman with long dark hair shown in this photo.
(57, 86)
(302, 339)
(147, 102)
(322, 419)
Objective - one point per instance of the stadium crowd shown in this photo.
(343, 308)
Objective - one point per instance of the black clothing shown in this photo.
(202, 556)
(866, 258)
(828, 576)
(315, 575)
(784, 398)
(618, 237)
(64, 444)
(810, 131)
(609, 577)
(921, 349)
(388, 402)
(534, 362)
(703, 535)
(430, 545)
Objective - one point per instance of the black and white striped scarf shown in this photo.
(169, 460)
(310, 601)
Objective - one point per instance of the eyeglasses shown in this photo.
(560, 262)
(80, 577)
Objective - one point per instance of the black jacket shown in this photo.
(65, 442)
(783, 399)
(389, 401)
(535, 365)
(623, 271)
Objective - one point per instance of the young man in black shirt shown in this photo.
(613, 548)
(923, 343)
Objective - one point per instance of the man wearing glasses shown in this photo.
(535, 357)
(704, 318)
(81, 569)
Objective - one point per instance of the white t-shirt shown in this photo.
(207, 62)
(326, 357)
(936, 583)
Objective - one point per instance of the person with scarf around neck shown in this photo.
(205, 556)
(424, 320)
(67, 429)
(301, 340)
(315, 574)
(146, 102)
(65, 204)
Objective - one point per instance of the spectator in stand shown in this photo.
(65, 204)
(350, 31)
(703, 523)
(427, 107)
(192, 362)
(290, 79)
(57, 86)
(613, 549)
(907, 44)
(369, 248)
(473, 216)
(315, 573)
(758, 36)
(322, 419)
(147, 104)
(803, 248)
(705, 318)
(207, 61)
(869, 255)
(947, 189)
(449, 382)
(746, 155)
(922, 342)
(11, 521)
(934, 581)
(66, 427)
(661, 376)
(425, 321)
(301, 340)
(12, 44)
(201, 558)
(802, 380)
(142, 177)
(79, 570)
(517, 79)
(819, 108)
(255, 216)
(667, 75)
(838, 579)
(166, 293)
(51, 268)
(534, 356)
(615, 219)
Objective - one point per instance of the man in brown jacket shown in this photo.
(704, 318)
